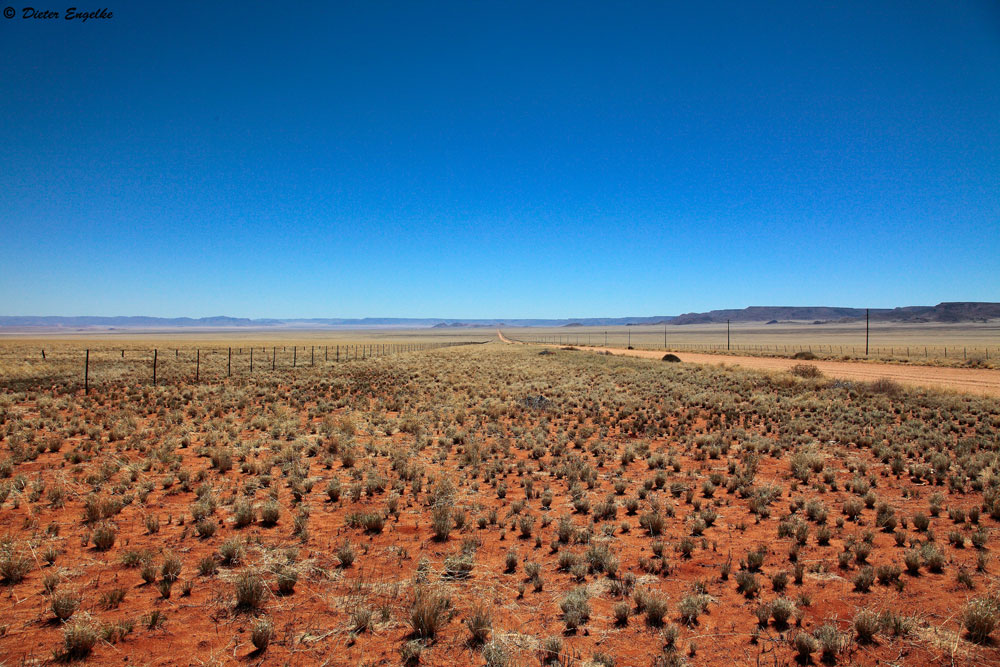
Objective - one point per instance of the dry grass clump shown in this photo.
(806, 371)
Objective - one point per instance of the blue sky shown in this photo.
(498, 159)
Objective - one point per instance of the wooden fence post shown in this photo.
(86, 374)
(229, 366)
(154, 368)
(251, 360)
(197, 367)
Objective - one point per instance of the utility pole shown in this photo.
(866, 332)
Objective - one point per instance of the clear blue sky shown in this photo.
(498, 159)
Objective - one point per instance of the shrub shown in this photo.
(746, 583)
(262, 633)
(231, 551)
(14, 564)
(781, 610)
(250, 590)
(480, 623)
(755, 558)
(103, 537)
(672, 358)
(441, 522)
(763, 613)
(431, 610)
(806, 371)
(171, 569)
(805, 645)
(410, 652)
(79, 638)
(866, 624)
(361, 620)
(345, 554)
(287, 577)
(690, 608)
(652, 522)
(551, 649)
(621, 612)
(807, 356)
(458, 566)
(933, 557)
(979, 618)
(63, 605)
(207, 566)
(885, 386)
(887, 573)
(575, 608)
(206, 528)
(864, 579)
(269, 513)
(656, 607)
(243, 513)
(830, 641)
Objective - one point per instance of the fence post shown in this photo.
(295, 351)
(312, 356)
(43, 355)
(229, 367)
(86, 374)
(197, 367)
(274, 356)
(251, 359)
(338, 354)
(154, 368)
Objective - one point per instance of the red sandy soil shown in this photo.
(312, 624)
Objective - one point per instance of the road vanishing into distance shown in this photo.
(984, 382)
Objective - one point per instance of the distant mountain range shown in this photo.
(957, 311)
(967, 311)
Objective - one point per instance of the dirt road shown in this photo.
(969, 380)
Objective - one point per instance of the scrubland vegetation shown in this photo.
(491, 505)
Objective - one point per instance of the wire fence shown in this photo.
(82, 367)
(956, 353)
